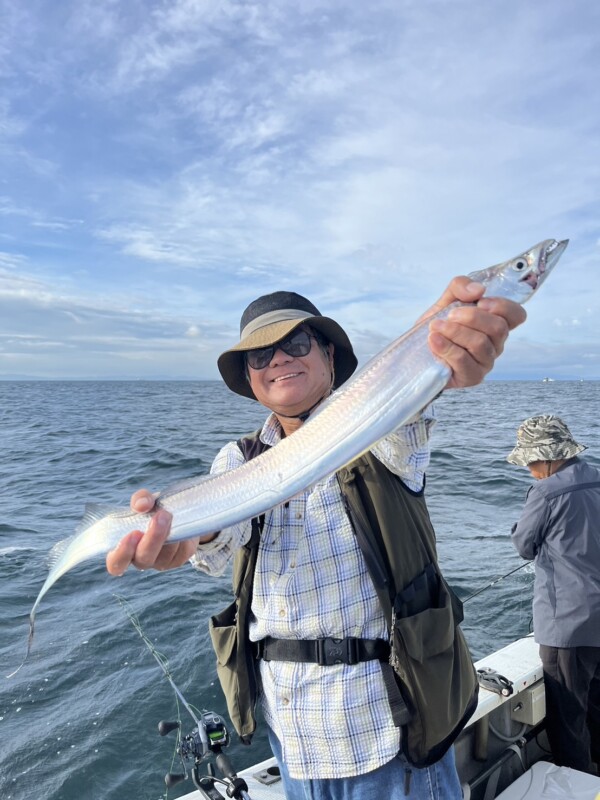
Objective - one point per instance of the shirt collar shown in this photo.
(271, 431)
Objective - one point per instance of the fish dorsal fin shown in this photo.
(93, 513)
(57, 551)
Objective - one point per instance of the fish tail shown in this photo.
(31, 630)
(29, 643)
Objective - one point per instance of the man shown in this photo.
(560, 528)
(330, 726)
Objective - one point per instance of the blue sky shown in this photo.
(164, 163)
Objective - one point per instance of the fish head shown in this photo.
(535, 265)
(521, 276)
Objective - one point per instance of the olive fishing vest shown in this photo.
(430, 679)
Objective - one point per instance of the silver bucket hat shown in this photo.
(268, 320)
(543, 438)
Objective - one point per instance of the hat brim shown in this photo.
(523, 456)
(232, 365)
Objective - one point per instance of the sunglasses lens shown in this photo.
(298, 344)
(260, 357)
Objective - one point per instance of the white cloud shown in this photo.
(163, 164)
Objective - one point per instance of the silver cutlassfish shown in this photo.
(392, 387)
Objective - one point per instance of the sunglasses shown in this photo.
(296, 344)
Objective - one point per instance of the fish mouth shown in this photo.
(532, 278)
(553, 252)
(548, 257)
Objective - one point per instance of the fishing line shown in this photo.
(164, 665)
(160, 657)
(209, 737)
(496, 580)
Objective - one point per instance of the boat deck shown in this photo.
(520, 664)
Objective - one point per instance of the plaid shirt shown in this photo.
(311, 582)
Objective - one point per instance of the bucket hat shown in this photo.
(269, 319)
(543, 438)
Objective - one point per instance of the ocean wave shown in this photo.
(10, 549)
(90, 689)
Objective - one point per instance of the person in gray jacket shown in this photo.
(559, 528)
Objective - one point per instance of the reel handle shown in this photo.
(166, 727)
(237, 785)
(224, 764)
(173, 778)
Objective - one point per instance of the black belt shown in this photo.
(324, 652)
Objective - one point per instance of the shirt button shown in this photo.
(282, 612)
(299, 515)
(285, 701)
(292, 564)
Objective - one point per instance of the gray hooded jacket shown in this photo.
(560, 528)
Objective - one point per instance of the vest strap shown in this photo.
(400, 713)
(324, 652)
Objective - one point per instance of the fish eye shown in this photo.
(520, 264)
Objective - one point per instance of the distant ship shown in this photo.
(547, 380)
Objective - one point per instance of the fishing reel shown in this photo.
(206, 740)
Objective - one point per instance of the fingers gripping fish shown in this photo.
(390, 389)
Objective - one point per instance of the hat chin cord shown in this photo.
(304, 415)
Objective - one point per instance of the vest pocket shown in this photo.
(427, 634)
(234, 668)
(435, 676)
(223, 633)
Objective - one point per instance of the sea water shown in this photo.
(79, 720)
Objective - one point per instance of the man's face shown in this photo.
(290, 385)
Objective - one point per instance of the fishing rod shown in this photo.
(208, 738)
(487, 677)
(496, 580)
